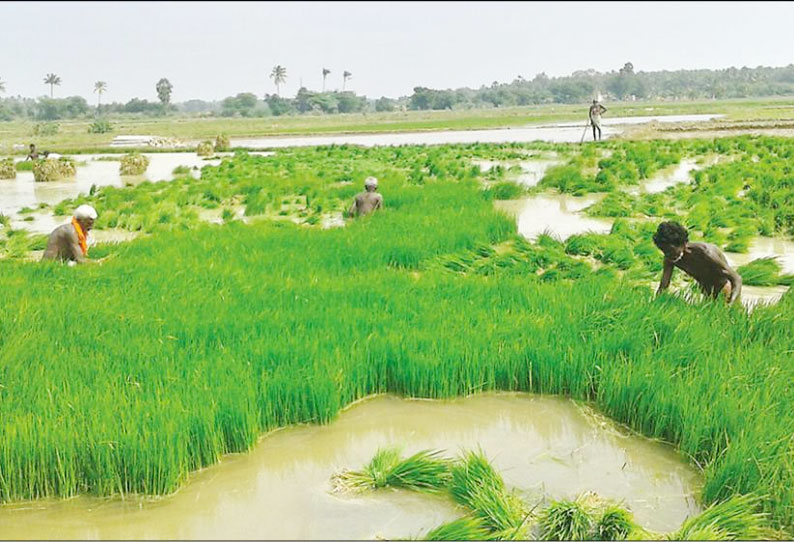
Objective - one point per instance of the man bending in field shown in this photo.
(595, 118)
(702, 261)
(69, 242)
(367, 201)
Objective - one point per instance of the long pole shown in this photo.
(586, 126)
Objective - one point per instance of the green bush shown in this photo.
(46, 128)
(100, 126)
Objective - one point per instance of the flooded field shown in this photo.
(555, 133)
(98, 170)
(547, 447)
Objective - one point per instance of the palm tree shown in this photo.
(345, 76)
(326, 71)
(2, 86)
(99, 88)
(279, 75)
(52, 80)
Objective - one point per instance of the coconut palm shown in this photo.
(345, 76)
(99, 88)
(52, 80)
(326, 71)
(279, 75)
(164, 88)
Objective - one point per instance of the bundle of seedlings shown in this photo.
(205, 148)
(133, 164)
(222, 143)
(423, 471)
(52, 169)
(7, 169)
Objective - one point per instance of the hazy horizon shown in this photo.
(212, 50)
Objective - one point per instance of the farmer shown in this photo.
(595, 118)
(702, 261)
(34, 154)
(368, 201)
(68, 242)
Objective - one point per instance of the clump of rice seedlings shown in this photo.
(133, 164)
(761, 272)
(423, 471)
(476, 485)
(5, 221)
(566, 520)
(222, 143)
(52, 169)
(734, 519)
(205, 148)
(504, 190)
(181, 170)
(7, 169)
(24, 165)
(465, 528)
(614, 523)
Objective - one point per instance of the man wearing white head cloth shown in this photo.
(368, 201)
(69, 242)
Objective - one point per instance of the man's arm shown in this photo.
(603, 109)
(352, 210)
(667, 274)
(74, 248)
(736, 286)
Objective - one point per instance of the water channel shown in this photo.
(546, 447)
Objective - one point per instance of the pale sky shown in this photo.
(210, 50)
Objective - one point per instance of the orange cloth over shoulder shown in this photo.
(80, 236)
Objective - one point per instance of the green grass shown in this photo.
(191, 342)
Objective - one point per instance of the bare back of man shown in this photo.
(706, 264)
(366, 202)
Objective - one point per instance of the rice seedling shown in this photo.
(222, 143)
(133, 164)
(566, 520)
(465, 528)
(476, 485)
(7, 169)
(423, 471)
(24, 165)
(52, 169)
(762, 272)
(205, 148)
(206, 342)
(734, 519)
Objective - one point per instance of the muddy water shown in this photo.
(555, 133)
(544, 446)
(680, 174)
(556, 214)
(25, 192)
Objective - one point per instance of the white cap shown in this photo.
(85, 211)
(371, 181)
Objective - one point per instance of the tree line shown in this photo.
(579, 87)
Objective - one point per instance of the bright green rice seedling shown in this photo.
(734, 519)
(566, 520)
(761, 272)
(7, 170)
(465, 528)
(24, 165)
(133, 164)
(476, 485)
(423, 471)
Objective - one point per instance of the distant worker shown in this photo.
(702, 261)
(69, 242)
(595, 118)
(366, 202)
(35, 154)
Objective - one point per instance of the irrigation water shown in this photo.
(546, 447)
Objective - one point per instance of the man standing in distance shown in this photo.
(595, 118)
